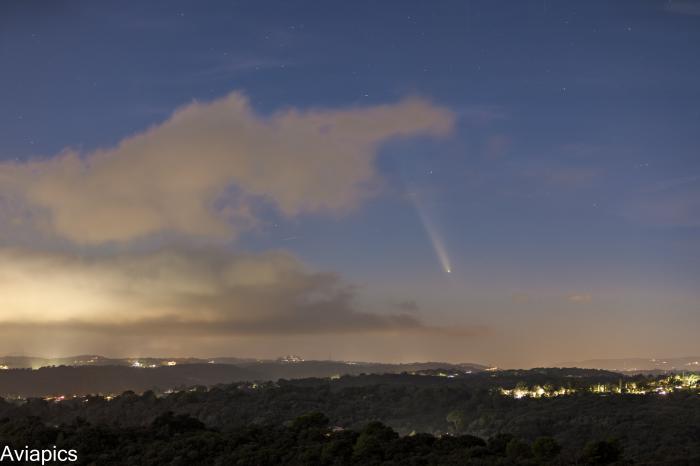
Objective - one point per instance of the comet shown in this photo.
(434, 236)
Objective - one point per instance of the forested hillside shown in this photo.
(649, 429)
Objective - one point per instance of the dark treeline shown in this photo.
(308, 440)
(649, 429)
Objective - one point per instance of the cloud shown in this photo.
(204, 170)
(171, 292)
(481, 115)
(496, 146)
(684, 7)
(674, 205)
(580, 298)
(409, 306)
(520, 297)
(671, 184)
(569, 177)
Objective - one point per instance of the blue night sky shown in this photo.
(514, 183)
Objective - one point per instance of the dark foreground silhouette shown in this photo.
(371, 419)
(308, 440)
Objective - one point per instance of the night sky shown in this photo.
(513, 183)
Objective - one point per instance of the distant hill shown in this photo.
(639, 365)
(92, 374)
(276, 370)
(30, 362)
(81, 380)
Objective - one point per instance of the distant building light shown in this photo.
(291, 358)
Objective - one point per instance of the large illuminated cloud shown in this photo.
(199, 172)
(182, 291)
